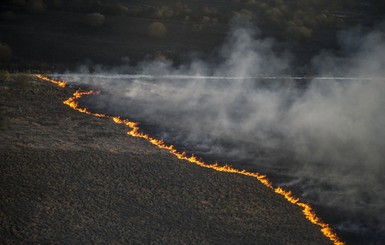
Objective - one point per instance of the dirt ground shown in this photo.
(68, 177)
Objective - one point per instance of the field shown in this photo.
(73, 178)
(314, 126)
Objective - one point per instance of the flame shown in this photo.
(135, 132)
(59, 83)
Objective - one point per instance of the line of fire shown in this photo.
(136, 132)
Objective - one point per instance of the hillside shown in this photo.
(73, 178)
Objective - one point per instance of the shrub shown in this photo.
(94, 19)
(36, 6)
(293, 31)
(157, 30)
(274, 14)
(244, 14)
(161, 57)
(210, 11)
(5, 52)
(163, 12)
(305, 32)
(136, 10)
(181, 9)
(205, 20)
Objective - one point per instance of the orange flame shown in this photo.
(135, 132)
(59, 83)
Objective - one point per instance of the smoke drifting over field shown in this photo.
(328, 135)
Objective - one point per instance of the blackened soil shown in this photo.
(72, 178)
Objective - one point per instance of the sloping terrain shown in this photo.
(72, 178)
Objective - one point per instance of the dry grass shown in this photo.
(73, 178)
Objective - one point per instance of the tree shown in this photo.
(5, 52)
(157, 30)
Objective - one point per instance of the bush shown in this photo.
(205, 20)
(5, 52)
(164, 12)
(36, 6)
(161, 57)
(136, 10)
(243, 14)
(157, 30)
(305, 32)
(293, 31)
(209, 11)
(94, 19)
(181, 9)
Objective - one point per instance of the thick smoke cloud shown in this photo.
(338, 127)
(328, 135)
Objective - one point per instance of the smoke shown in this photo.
(327, 135)
(338, 128)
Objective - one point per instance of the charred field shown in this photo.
(70, 177)
(277, 164)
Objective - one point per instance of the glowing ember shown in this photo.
(135, 132)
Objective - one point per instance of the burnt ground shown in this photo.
(72, 178)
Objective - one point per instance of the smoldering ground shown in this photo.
(326, 133)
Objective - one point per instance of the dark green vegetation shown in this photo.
(47, 34)
(68, 177)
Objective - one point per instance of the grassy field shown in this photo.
(73, 178)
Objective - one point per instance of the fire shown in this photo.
(59, 83)
(135, 132)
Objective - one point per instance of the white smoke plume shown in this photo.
(328, 135)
